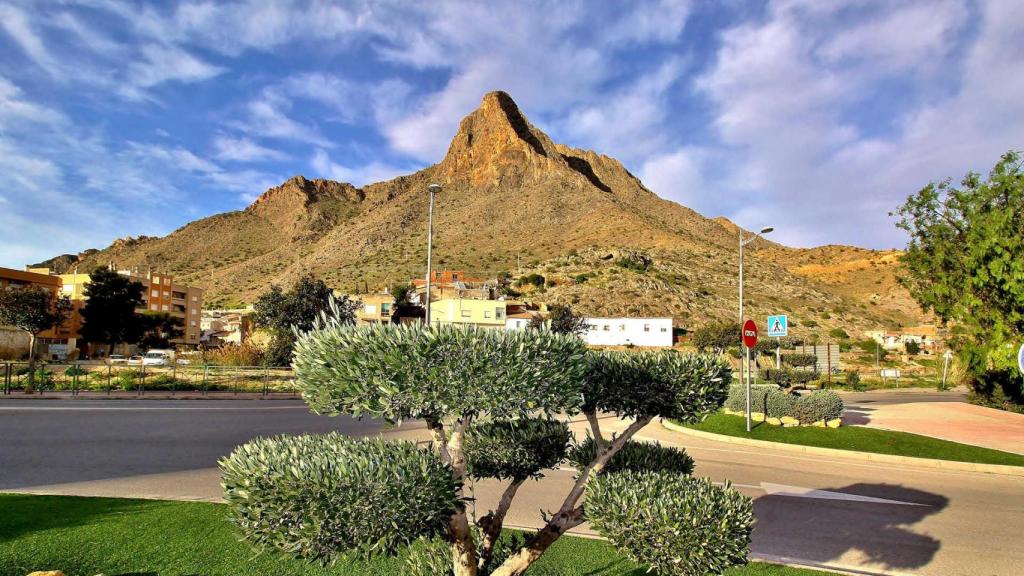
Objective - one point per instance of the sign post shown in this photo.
(945, 366)
(749, 341)
(778, 327)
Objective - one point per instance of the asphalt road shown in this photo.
(861, 516)
(60, 441)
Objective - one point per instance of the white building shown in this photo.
(625, 331)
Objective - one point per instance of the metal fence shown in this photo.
(111, 378)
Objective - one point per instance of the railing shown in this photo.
(138, 379)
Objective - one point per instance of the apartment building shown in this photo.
(160, 294)
(14, 343)
(629, 331)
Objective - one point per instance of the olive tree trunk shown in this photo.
(464, 558)
(570, 515)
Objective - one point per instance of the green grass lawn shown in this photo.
(860, 439)
(123, 537)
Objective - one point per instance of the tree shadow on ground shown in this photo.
(24, 513)
(857, 415)
(823, 530)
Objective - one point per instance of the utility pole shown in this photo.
(433, 189)
(744, 242)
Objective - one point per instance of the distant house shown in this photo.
(375, 308)
(520, 320)
(629, 331)
(220, 327)
(926, 337)
(465, 311)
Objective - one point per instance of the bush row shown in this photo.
(775, 403)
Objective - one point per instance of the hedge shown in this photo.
(775, 403)
(636, 456)
(818, 405)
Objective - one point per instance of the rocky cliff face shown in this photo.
(511, 197)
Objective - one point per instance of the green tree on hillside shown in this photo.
(965, 263)
(109, 313)
(717, 336)
(561, 320)
(32, 309)
(282, 313)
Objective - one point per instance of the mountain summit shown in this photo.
(512, 200)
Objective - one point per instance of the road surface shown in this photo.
(830, 512)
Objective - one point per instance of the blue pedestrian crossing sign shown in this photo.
(778, 326)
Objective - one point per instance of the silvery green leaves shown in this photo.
(515, 450)
(400, 372)
(675, 524)
(321, 497)
(636, 456)
(663, 384)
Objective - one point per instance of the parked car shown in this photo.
(117, 359)
(158, 358)
(135, 360)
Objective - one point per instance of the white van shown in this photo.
(158, 358)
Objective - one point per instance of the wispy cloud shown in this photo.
(244, 150)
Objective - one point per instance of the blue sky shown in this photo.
(128, 118)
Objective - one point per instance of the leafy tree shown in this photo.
(913, 348)
(532, 279)
(159, 328)
(401, 292)
(838, 333)
(717, 336)
(283, 313)
(561, 320)
(109, 312)
(490, 399)
(965, 263)
(32, 309)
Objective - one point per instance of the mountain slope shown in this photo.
(510, 196)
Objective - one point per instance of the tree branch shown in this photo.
(492, 523)
(595, 428)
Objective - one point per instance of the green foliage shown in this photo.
(838, 333)
(433, 556)
(284, 313)
(716, 337)
(913, 348)
(810, 323)
(401, 293)
(330, 496)
(159, 328)
(108, 314)
(532, 279)
(663, 384)
(799, 360)
(399, 372)
(963, 263)
(779, 403)
(853, 381)
(636, 456)
(562, 320)
(683, 527)
(126, 379)
(582, 278)
(818, 405)
(32, 309)
(75, 370)
(517, 449)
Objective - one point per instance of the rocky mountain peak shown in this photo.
(299, 193)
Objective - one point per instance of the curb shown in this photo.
(999, 469)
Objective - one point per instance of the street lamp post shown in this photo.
(744, 242)
(433, 189)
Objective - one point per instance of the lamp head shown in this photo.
(434, 188)
(766, 230)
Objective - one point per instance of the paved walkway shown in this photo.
(956, 421)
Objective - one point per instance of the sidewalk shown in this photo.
(955, 421)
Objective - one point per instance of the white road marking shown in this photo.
(798, 492)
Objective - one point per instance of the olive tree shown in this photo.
(492, 400)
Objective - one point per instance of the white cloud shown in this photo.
(244, 150)
(169, 63)
(13, 107)
(678, 176)
(23, 31)
(358, 175)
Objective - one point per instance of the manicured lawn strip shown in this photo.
(121, 537)
(860, 439)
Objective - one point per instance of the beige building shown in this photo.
(160, 294)
(462, 311)
(374, 308)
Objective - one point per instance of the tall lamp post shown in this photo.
(744, 242)
(433, 189)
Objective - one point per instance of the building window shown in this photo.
(193, 322)
(606, 328)
(195, 311)
(167, 294)
(156, 280)
(155, 293)
(385, 309)
(499, 312)
(371, 309)
(194, 298)
(166, 308)
(592, 327)
(663, 329)
(487, 313)
(154, 307)
(622, 327)
(647, 327)
(467, 314)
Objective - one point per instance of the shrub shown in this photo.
(779, 403)
(532, 279)
(913, 348)
(316, 496)
(799, 360)
(853, 380)
(652, 517)
(636, 456)
(126, 379)
(810, 323)
(75, 371)
(737, 399)
(246, 354)
(818, 405)
(518, 449)
(838, 333)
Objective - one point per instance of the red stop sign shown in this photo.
(749, 333)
